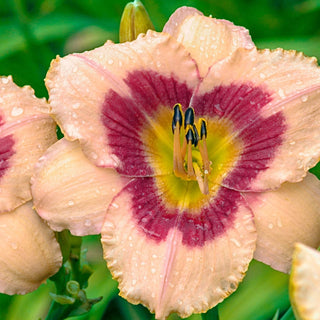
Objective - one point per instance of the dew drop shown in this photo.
(281, 93)
(235, 242)
(75, 69)
(110, 61)
(16, 111)
(134, 282)
(70, 203)
(304, 98)
(5, 80)
(14, 245)
(94, 155)
(87, 223)
(76, 105)
(115, 205)
(270, 225)
(262, 75)
(153, 270)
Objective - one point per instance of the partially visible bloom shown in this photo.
(305, 283)
(29, 252)
(174, 143)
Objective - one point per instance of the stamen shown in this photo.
(178, 167)
(190, 142)
(203, 128)
(188, 117)
(191, 170)
(177, 116)
(203, 146)
(196, 135)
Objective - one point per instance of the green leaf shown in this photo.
(262, 291)
(316, 170)
(276, 315)
(288, 315)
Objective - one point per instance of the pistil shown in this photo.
(190, 169)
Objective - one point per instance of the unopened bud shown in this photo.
(134, 20)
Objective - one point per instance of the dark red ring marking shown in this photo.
(6, 151)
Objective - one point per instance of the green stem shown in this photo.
(58, 311)
(74, 258)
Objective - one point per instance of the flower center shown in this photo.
(190, 160)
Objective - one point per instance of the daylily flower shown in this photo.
(188, 150)
(29, 250)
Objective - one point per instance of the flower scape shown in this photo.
(188, 150)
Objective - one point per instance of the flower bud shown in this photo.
(134, 20)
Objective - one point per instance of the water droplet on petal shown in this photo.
(70, 203)
(281, 93)
(16, 111)
(304, 98)
(262, 75)
(14, 245)
(87, 223)
(270, 225)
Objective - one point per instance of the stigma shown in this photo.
(190, 158)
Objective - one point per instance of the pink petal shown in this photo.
(207, 39)
(81, 86)
(180, 268)
(272, 100)
(286, 216)
(26, 131)
(29, 250)
(69, 192)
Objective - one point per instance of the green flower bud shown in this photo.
(73, 287)
(134, 20)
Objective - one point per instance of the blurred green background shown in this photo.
(33, 32)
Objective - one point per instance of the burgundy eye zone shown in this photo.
(240, 104)
(6, 150)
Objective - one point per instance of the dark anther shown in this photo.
(196, 135)
(203, 129)
(190, 136)
(177, 116)
(188, 117)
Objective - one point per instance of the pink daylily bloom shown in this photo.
(188, 150)
(29, 250)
